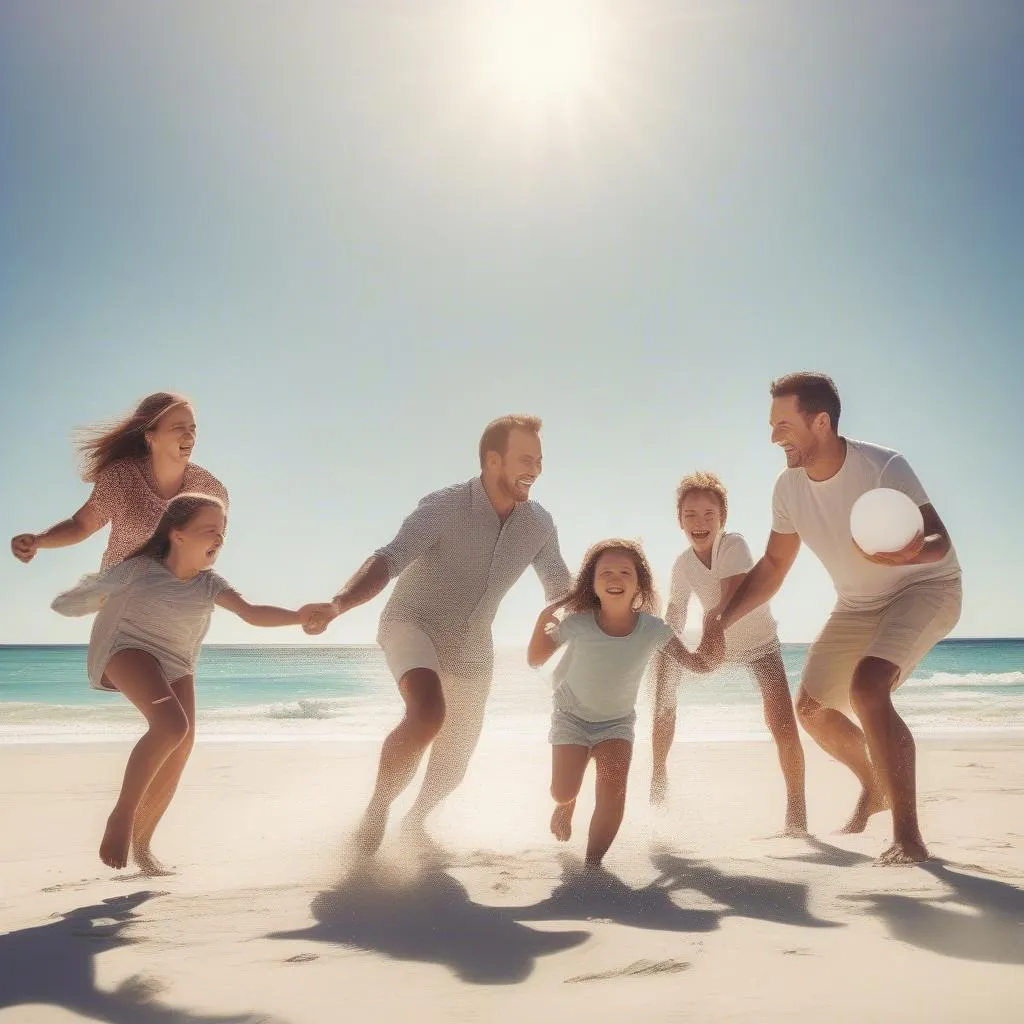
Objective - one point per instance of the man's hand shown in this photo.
(24, 546)
(315, 618)
(905, 556)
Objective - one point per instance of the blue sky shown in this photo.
(318, 223)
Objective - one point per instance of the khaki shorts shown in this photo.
(902, 633)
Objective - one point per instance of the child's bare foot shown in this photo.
(561, 822)
(117, 839)
(659, 788)
(906, 851)
(370, 833)
(148, 864)
(871, 801)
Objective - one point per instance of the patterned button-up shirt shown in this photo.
(455, 560)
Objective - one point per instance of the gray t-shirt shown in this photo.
(455, 560)
(140, 604)
(599, 675)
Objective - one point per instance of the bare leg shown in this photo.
(568, 764)
(770, 674)
(663, 731)
(465, 703)
(838, 736)
(158, 796)
(612, 758)
(402, 751)
(892, 753)
(137, 675)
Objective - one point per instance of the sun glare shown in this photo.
(538, 56)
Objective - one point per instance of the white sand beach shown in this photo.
(695, 919)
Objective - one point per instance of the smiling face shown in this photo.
(515, 472)
(798, 434)
(198, 542)
(700, 516)
(615, 580)
(173, 436)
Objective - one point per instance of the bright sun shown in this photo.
(538, 57)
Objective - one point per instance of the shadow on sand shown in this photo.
(53, 964)
(987, 924)
(429, 918)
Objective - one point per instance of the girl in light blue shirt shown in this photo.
(610, 634)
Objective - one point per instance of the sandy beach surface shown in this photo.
(696, 918)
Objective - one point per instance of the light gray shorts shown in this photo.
(568, 729)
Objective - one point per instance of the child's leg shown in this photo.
(137, 675)
(612, 758)
(663, 732)
(770, 674)
(157, 797)
(568, 763)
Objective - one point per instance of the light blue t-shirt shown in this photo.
(599, 675)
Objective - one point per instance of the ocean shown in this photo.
(321, 693)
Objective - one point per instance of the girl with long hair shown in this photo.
(152, 611)
(610, 632)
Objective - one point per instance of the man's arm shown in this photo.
(932, 544)
(764, 580)
(419, 531)
(552, 571)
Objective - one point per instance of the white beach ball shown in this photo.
(884, 520)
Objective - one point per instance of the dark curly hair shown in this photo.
(583, 597)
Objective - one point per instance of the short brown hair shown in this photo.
(495, 435)
(704, 483)
(814, 392)
(583, 597)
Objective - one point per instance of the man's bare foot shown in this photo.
(117, 839)
(370, 833)
(148, 864)
(870, 801)
(659, 788)
(907, 851)
(561, 822)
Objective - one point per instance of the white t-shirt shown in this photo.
(599, 675)
(819, 511)
(746, 639)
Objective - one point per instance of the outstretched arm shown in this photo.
(84, 523)
(257, 614)
(364, 585)
(763, 581)
(709, 653)
(419, 531)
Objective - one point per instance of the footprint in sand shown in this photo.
(637, 969)
(302, 958)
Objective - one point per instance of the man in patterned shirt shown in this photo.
(456, 556)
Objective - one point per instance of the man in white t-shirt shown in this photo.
(891, 608)
(711, 569)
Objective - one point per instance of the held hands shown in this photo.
(905, 556)
(24, 546)
(315, 618)
(711, 649)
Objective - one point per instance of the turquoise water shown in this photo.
(325, 693)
